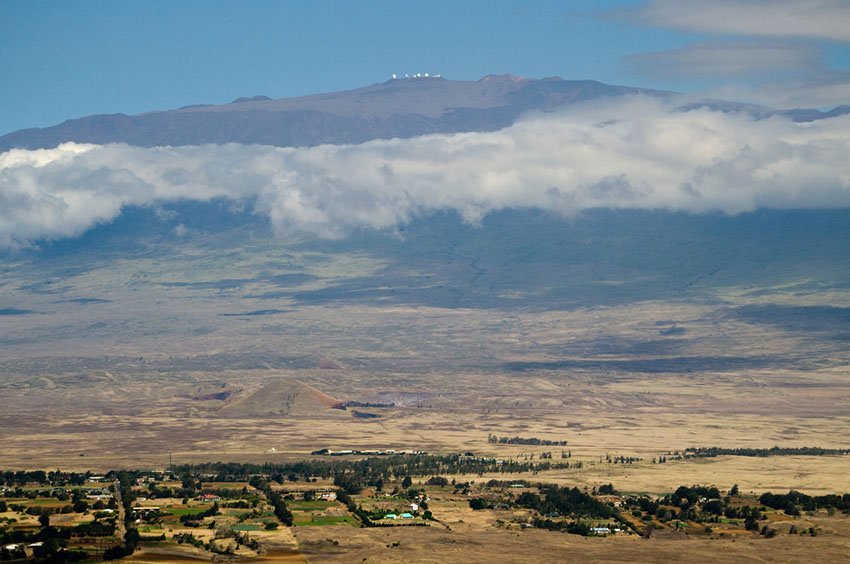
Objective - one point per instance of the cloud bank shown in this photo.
(773, 52)
(728, 59)
(818, 19)
(637, 154)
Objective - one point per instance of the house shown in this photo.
(615, 500)
(600, 531)
(390, 516)
(145, 510)
(407, 516)
(207, 497)
(414, 507)
(328, 496)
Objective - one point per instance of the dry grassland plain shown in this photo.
(453, 377)
(213, 372)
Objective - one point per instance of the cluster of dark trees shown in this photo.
(709, 452)
(193, 519)
(438, 481)
(365, 518)
(534, 441)
(281, 511)
(479, 503)
(571, 527)
(507, 483)
(792, 502)
(155, 491)
(21, 477)
(368, 470)
(189, 538)
(696, 503)
(367, 404)
(555, 500)
(53, 541)
(688, 496)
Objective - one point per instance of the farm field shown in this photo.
(431, 518)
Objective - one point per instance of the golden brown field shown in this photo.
(611, 381)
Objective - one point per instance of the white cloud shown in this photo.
(729, 59)
(634, 154)
(819, 19)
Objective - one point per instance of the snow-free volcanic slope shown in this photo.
(403, 107)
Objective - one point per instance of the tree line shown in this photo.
(533, 441)
(709, 452)
(368, 469)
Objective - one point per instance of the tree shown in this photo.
(438, 481)
(713, 507)
(44, 519)
(406, 482)
(477, 504)
(734, 490)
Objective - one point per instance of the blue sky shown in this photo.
(67, 59)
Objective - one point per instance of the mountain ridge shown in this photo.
(397, 108)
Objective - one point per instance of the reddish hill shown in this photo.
(285, 396)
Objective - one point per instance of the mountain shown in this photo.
(219, 279)
(404, 107)
(283, 396)
(397, 108)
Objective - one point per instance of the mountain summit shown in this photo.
(400, 107)
(403, 107)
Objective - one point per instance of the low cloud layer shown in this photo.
(635, 154)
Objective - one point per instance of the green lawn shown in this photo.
(188, 511)
(47, 502)
(319, 520)
(247, 527)
(317, 505)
